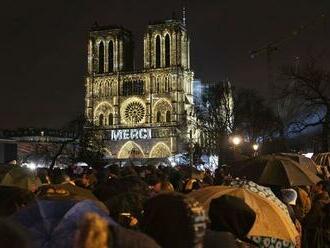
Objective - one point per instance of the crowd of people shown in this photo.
(144, 206)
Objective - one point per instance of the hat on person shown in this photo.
(289, 196)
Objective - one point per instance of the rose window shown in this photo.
(134, 112)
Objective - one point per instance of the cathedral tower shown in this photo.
(141, 113)
(166, 44)
(110, 49)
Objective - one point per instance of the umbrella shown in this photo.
(65, 191)
(271, 221)
(260, 190)
(322, 159)
(302, 160)
(3, 171)
(274, 170)
(52, 223)
(21, 177)
(13, 198)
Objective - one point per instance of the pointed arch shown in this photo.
(168, 116)
(103, 108)
(158, 117)
(107, 153)
(101, 120)
(130, 150)
(110, 119)
(101, 57)
(158, 51)
(160, 150)
(160, 109)
(110, 56)
(167, 50)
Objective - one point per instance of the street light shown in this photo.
(236, 140)
(255, 147)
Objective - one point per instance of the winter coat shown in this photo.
(312, 224)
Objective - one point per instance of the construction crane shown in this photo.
(274, 46)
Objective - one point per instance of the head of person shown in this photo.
(289, 196)
(154, 182)
(321, 187)
(58, 176)
(92, 232)
(231, 214)
(174, 220)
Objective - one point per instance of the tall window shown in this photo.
(101, 57)
(157, 51)
(101, 120)
(159, 117)
(167, 50)
(166, 84)
(168, 116)
(110, 119)
(110, 56)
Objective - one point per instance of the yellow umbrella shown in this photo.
(271, 220)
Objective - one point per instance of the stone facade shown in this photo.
(156, 99)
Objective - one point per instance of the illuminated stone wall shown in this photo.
(160, 96)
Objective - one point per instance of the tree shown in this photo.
(254, 119)
(215, 119)
(310, 85)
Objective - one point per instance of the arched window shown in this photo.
(110, 56)
(157, 51)
(157, 86)
(168, 116)
(166, 84)
(101, 120)
(159, 117)
(167, 50)
(101, 57)
(110, 119)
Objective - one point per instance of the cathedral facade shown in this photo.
(140, 113)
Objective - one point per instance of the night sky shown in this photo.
(44, 59)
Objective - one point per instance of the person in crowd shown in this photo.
(174, 220)
(154, 183)
(92, 232)
(13, 236)
(43, 175)
(303, 203)
(87, 181)
(289, 198)
(231, 220)
(58, 176)
(312, 223)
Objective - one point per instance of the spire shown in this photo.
(184, 13)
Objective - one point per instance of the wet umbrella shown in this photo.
(274, 170)
(302, 160)
(322, 159)
(52, 223)
(13, 198)
(3, 171)
(260, 190)
(21, 177)
(65, 191)
(271, 221)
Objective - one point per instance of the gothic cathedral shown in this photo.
(141, 113)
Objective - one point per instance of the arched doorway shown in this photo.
(130, 150)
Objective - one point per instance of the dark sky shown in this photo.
(43, 46)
